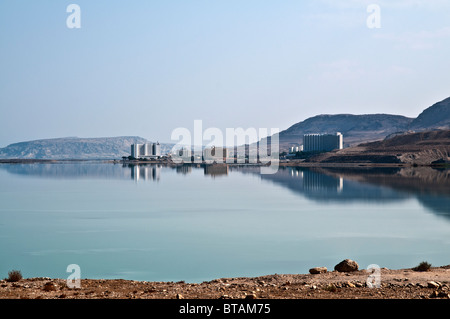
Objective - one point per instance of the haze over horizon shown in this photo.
(144, 68)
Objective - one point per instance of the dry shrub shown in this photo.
(14, 276)
(423, 266)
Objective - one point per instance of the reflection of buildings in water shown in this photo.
(318, 186)
(184, 169)
(296, 173)
(216, 170)
(313, 181)
(145, 172)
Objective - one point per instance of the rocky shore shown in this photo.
(394, 284)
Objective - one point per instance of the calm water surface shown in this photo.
(168, 224)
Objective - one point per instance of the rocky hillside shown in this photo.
(73, 148)
(421, 148)
(436, 116)
(369, 127)
(355, 128)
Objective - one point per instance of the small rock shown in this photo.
(179, 296)
(318, 270)
(432, 284)
(347, 265)
(251, 296)
(350, 285)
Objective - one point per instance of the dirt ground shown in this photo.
(395, 284)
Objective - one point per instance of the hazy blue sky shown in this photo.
(146, 67)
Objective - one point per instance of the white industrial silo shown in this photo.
(135, 150)
(156, 149)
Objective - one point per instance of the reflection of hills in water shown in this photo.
(69, 170)
(326, 188)
(107, 170)
(430, 186)
(86, 170)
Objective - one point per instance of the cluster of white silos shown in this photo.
(296, 149)
(147, 150)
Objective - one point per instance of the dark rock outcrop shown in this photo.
(347, 265)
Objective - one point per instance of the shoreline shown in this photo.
(292, 163)
(395, 284)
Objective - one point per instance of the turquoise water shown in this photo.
(167, 224)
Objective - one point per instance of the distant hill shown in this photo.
(365, 128)
(74, 148)
(355, 128)
(436, 116)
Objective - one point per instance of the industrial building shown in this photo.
(148, 150)
(322, 142)
(215, 154)
(296, 149)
